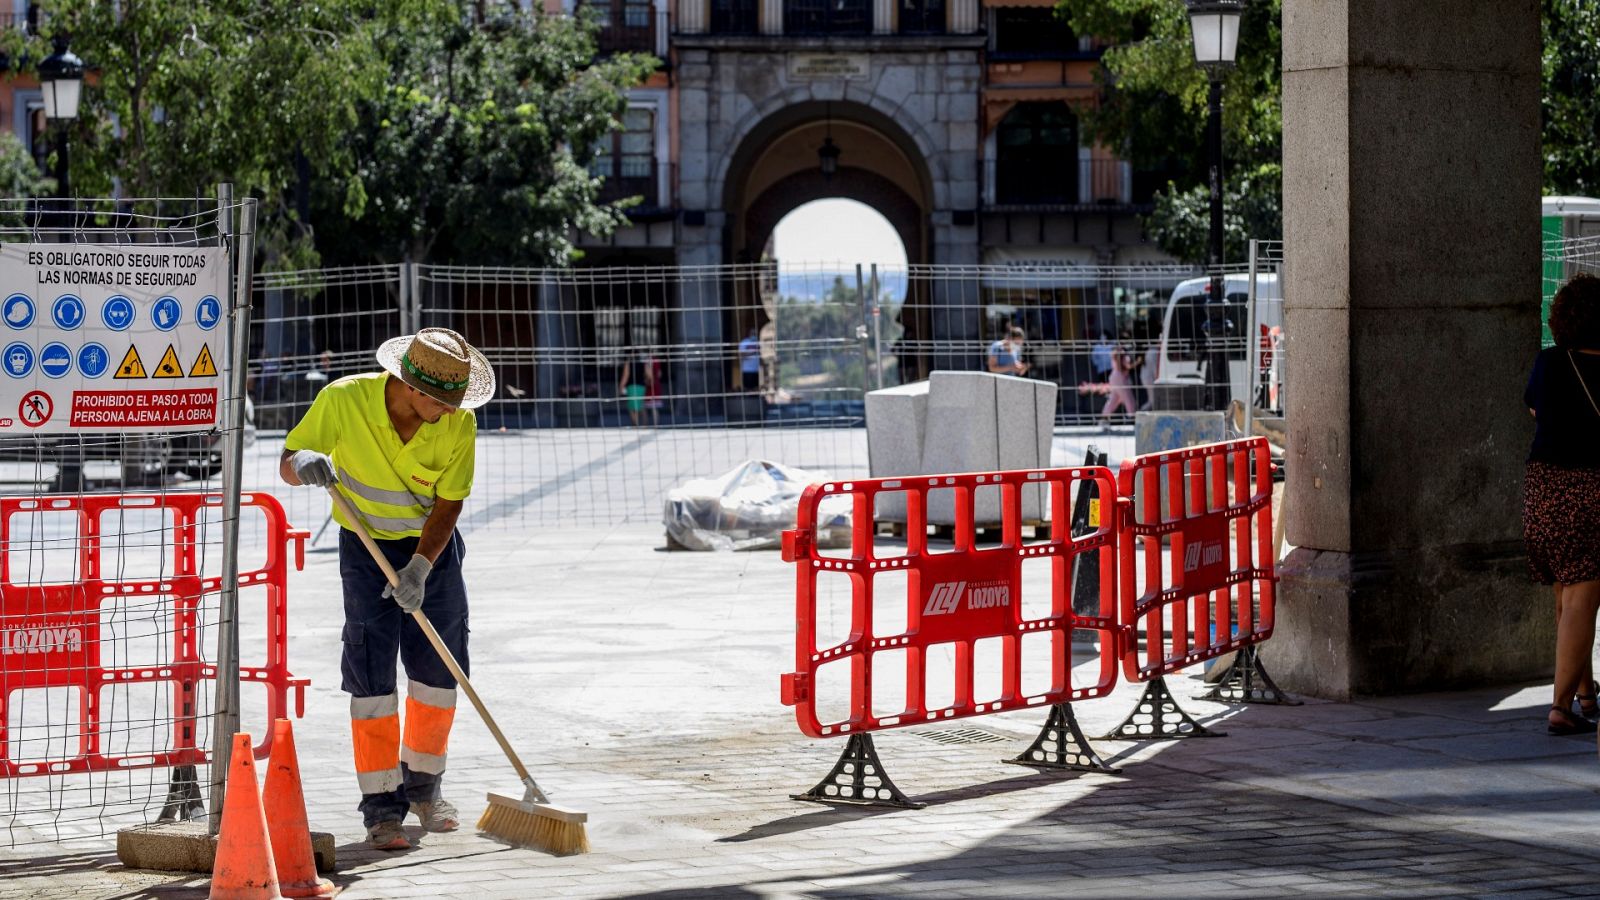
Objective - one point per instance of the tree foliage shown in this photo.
(1571, 81)
(1153, 112)
(431, 124)
(477, 149)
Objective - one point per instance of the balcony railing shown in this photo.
(1039, 179)
(634, 176)
(821, 17)
(631, 28)
(735, 17)
(922, 17)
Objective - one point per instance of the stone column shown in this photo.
(963, 16)
(883, 16)
(1411, 232)
(692, 16)
(771, 16)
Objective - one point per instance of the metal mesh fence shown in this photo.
(616, 384)
(107, 712)
(1563, 258)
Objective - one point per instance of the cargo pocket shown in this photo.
(353, 664)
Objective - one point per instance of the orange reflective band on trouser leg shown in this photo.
(429, 713)
(375, 737)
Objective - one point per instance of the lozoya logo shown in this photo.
(41, 640)
(946, 596)
(1204, 554)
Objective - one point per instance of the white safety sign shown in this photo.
(97, 338)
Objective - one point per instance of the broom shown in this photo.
(532, 821)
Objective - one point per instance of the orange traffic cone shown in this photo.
(286, 820)
(243, 869)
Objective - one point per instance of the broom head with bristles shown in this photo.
(542, 826)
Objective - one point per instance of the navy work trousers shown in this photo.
(376, 630)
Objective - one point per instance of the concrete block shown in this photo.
(186, 847)
(1156, 431)
(897, 418)
(967, 431)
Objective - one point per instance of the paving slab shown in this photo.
(642, 686)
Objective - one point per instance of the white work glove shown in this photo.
(408, 593)
(313, 468)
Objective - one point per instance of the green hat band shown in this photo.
(427, 379)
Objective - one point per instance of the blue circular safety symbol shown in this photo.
(17, 360)
(166, 313)
(117, 313)
(67, 312)
(18, 311)
(55, 359)
(93, 360)
(207, 312)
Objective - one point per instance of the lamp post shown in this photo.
(1214, 26)
(61, 81)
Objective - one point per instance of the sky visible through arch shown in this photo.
(824, 238)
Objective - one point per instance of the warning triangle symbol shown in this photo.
(131, 366)
(203, 366)
(169, 367)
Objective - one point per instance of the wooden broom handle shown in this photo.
(449, 658)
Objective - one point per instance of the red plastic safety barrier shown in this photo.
(53, 635)
(1214, 505)
(957, 598)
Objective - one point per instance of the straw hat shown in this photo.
(441, 364)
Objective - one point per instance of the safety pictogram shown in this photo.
(131, 366)
(203, 366)
(35, 408)
(169, 367)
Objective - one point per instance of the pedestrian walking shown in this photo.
(398, 444)
(1121, 381)
(1561, 494)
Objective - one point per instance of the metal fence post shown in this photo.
(877, 324)
(1253, 375)
(863, 337)
(241, 231)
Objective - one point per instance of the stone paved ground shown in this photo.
(642, 686)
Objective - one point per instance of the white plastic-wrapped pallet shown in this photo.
(748, 508)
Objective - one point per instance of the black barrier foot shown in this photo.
(183, 797)
(1157, 716)
(858, 779)
(1061, 745)
(1247, 681)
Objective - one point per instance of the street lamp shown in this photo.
(61, 80)
(828, 154)
(1214, 25)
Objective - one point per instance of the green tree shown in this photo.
(19, 174)
(1153, 111)
(1571, 82)
(438, 128)
(477, 149)
(184, 95)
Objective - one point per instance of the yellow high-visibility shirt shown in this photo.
(392, 484)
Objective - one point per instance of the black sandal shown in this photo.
(1589, 705)
(1570, 724)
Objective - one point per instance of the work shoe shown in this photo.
(388, 836)
(436, 815)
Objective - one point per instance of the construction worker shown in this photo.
(398, 444)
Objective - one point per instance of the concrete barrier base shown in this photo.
(1154, 432)
(185, 847)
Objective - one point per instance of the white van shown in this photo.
(1180, 374)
